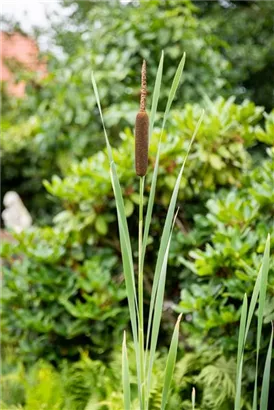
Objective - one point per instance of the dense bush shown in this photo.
(60, 294)
(63, 294)
(243, 29)
(247, 29)
(57, 122)
(71, 271)
(226, 262)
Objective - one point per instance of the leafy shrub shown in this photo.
(78, 312)
(225, 265)
(54, 302)
(226, 262)
(56, 122)
(227, 131)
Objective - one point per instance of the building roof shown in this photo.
(22, 50)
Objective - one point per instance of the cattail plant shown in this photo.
(141, 130)
(145, 349)
(145, 340)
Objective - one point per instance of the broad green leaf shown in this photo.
(101, 225)
(171, 359)
(266, 376)
(125, 375)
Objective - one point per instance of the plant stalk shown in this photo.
(141, 294)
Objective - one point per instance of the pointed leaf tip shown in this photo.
(179, 319)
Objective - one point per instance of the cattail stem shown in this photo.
(141, 292)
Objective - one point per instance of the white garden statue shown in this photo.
(15, 215)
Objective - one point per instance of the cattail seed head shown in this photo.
(141, 130)
(141, 143)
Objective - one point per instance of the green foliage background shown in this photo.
(64, 298)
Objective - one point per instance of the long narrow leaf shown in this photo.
(174, 87)
(262, 297)
(124, 236)
(125, 375)
(166, 231)
(122, 220)
(158, 309)
(266, 376)
(240, 354)
(101, 116)
(257, 285)
(156, 94)
(171, 96)
(171, 359)
(129, 280)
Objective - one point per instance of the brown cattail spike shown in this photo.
(141, 130)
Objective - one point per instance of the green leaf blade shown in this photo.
(166, 232)
(266, 375)
(171, 359)
(156, 95)
(175, 84)
(174, 87)
(240, 354)
(262, 297)
(158, 310)
(126, 250)
(125, 375)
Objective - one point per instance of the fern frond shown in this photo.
(218, 382)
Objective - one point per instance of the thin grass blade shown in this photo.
(156, 94)
(122, 220)
(174, 87)
(266, 376)
(125, 375)
(262, 297)
(171, 359)
(130, 286)
(101, 115)
(257, 285)
(124, 236)
(158, 309)
(240, 354)
(166, 233)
